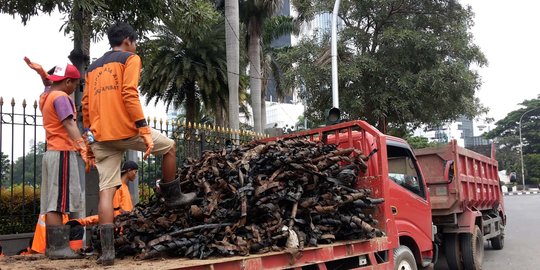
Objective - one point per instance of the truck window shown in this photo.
(402, 169)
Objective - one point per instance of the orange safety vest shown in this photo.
(121, 200)
(39, 242)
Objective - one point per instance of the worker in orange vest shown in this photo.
(122, 199)
(122, 203)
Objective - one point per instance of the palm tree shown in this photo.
(256, 12)
(274, 28)
(232, 39)
(187, 65)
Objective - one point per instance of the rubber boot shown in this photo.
(106, 234)
(57, 243)
(173, 194)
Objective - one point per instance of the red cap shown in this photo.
(65, 71)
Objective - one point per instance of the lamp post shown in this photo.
(335, 95)
(521, 146)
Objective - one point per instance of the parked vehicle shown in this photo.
(447, 196)
(466, 201)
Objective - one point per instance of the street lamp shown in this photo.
(335, 95)
(521, 146)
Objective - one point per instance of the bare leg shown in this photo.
(168, 166)
(53, 219)
(105, 207)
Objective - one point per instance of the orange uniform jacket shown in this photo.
(111, 104)
(121, 201)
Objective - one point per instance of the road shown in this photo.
(522, 239)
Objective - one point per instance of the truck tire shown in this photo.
(497, 242)
(472, 247)
(452, 251)
(404, 259)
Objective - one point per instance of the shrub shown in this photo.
(18, 213)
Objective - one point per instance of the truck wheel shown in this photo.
(452, 251)
(472, 247)
(404, 259)
(497, 242)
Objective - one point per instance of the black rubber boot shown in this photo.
(106, 235)
(57, 243)
(173, 194)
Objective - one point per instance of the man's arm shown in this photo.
(130, 95)
(130, 92)
(39, 69)
(125, 200)
(84, 102)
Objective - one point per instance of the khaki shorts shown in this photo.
(60, 182)
(109, 155)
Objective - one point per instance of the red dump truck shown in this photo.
(466, 202)
(463, 188)
(404, 217)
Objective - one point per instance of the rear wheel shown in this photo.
(452, 251)
(404, 259)
(472, 247)
(497, 242)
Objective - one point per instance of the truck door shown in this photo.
(408, 197)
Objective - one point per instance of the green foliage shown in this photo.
(405, 62)
(185, 66)
(418, 142)
(4, 169)
(26, 173)
(17, 209)
(146, 191)
(506, 135)
(532, 163)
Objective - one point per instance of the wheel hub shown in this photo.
(404, 265)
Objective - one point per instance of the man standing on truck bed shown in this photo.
(113, 113)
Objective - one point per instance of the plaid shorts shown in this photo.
(60, 183)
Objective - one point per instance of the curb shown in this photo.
(521, 193)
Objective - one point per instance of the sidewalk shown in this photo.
(521, 193)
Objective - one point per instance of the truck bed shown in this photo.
(459, 178)
(272, 260)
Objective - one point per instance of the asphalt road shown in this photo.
(522, 237)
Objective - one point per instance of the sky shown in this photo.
(505, 31)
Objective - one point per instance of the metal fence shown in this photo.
(191, 141)
(22, 144)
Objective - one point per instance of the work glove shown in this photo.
(146, 134)
(36, 67)
(86, 154)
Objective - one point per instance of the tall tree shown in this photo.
(26, 173)
(185, 66)
(274, 28)
(255, 13)
(232, 40)
(506, 135)
(401, 62)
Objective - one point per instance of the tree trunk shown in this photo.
(80, 55)
(232, 43)
(254, 53)
(191, 103)
(263, 109)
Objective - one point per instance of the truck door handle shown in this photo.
(394, 210)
